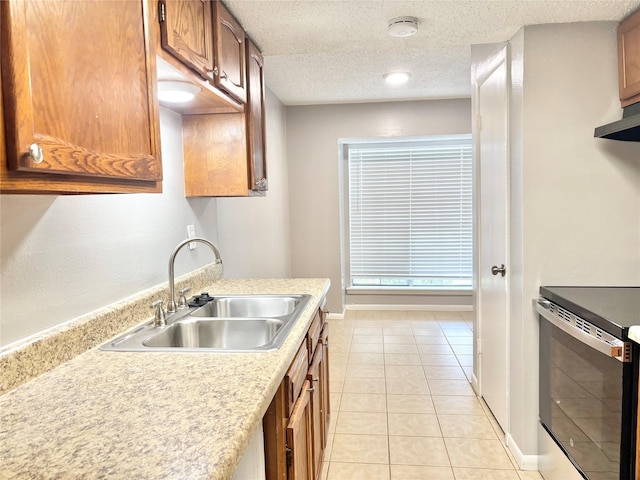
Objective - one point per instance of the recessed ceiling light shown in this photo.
(403, 26)
(396, 78)
(176, 92)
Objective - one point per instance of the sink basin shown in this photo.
(219, 333)
(268, 306)
(231, 323)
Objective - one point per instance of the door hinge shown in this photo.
(479, 123)
(289, 456)
(479, 346)
(161, 10)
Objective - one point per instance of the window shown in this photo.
(410, 213)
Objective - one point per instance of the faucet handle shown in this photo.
(160, 319)
(182, 301)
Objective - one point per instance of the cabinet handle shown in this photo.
(216, 72)
(36, 153)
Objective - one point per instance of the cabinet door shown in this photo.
(255, 112)
(315, 377)
(186, 32)
(215, 155)
(324, 384)
(229, 53)
(274, 425)
(78, 93)
(300, 465)
(629, 59)
(2, 144)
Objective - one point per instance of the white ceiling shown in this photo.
(335, 51)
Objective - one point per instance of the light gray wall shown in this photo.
(253, 233)
(313, 133)
(575, 200)
(64, 256)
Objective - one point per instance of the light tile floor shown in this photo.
(402, 406)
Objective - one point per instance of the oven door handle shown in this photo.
(616, 349)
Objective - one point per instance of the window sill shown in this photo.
(409, 291)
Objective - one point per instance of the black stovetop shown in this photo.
(613, 309)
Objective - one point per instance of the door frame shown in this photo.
(484, 70)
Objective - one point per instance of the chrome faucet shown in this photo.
(171, 306)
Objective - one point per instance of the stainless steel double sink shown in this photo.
(239, 323)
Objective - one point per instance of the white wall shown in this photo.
(313, 133)
(575, 199)
(64, 256)
(253, 233)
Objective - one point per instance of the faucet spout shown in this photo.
(171, 307)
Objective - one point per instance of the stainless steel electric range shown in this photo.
(588, 376)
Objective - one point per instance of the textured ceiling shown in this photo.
(330, 51)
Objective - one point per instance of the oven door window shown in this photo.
(581, 402)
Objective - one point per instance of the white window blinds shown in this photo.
(410, 213)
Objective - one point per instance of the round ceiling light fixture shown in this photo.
(403, 26)
(176, 91)
(396, 78)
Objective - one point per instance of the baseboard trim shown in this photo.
(475, 384)
(335, 316)
(432, 308)
(525, 462)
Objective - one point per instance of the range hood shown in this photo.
(627, 129)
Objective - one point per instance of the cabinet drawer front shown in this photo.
(296, 376)
(314, 335)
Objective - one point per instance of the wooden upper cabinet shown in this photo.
(215, 155)
(79, 97)
(229, 53)
(186, 31)
(3, 158)
(255, 116)
(629, 59)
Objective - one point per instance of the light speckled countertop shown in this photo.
(122, 415)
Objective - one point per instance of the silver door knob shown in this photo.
(502, 270)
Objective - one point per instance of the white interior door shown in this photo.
(492, 133)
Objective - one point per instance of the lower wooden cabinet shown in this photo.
(317, 422)
(300, 438)
(296, 424)
(324, 383)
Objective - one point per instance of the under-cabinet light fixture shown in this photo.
(396, 78)
(176, 92)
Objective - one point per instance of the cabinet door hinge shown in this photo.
(289, 456)
(161, 11)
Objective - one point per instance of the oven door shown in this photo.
(586, 398)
